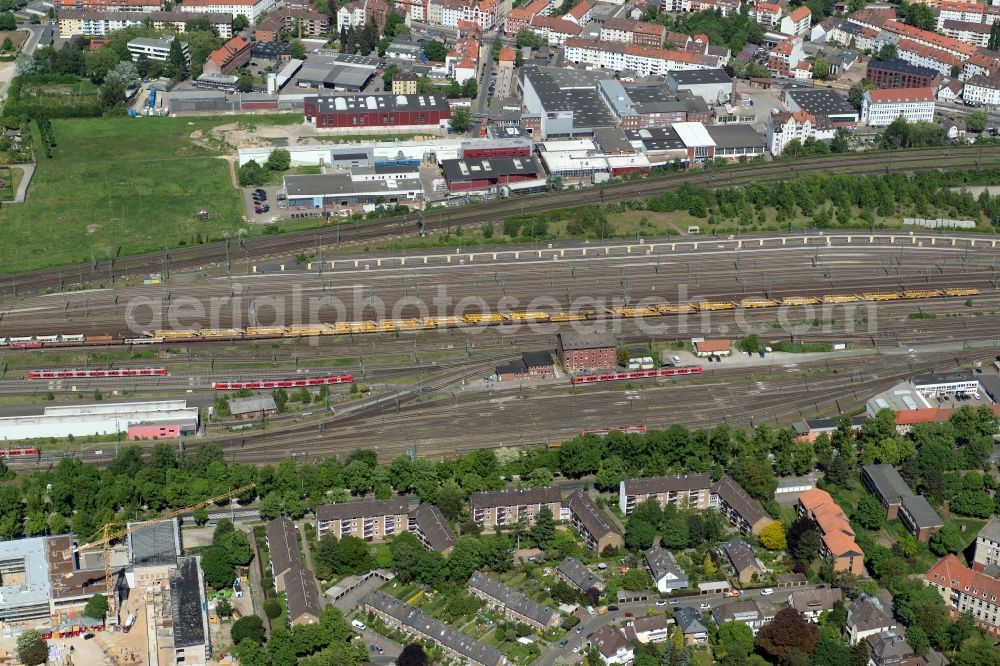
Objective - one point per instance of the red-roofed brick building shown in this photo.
(229, 57)
(711, 347)
(634, 32)
(966, 590)
(835, 531)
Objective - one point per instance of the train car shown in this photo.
(304, 331)
(221, 333)
(757, 303)
(526, 316)
(47, 338)
(628, 430)
(880, 296)
(841, 298)
(77, 337)
(799, 300)
(179, 334)
(16, 453)
(282, 383)
(637, 374)
(962, 292)
(97, 374)
(922, 293)
(100, 339)
(561, 317)
(444, 322)
(143, 341)
(32, 344)
(21, 338)
(716, 305)
(483, 318)
(3, 342)
(265, 331)
(362, 327)
(680, 308)
(624, 311)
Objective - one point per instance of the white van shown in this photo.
(590, 610)
(677, 360)
(358, 624)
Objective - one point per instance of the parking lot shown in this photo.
(255, 207)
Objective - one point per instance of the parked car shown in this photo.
(258, 210)
(661, 602)
(674, 602)
(564, 642)
(766, 592)
(612, 608)
(629, 614)
(704, 606)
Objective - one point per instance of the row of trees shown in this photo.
(324, 643)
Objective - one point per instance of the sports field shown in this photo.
(132, 184)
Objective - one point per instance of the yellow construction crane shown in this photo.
(111, 534)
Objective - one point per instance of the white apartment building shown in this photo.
(643, 60)
(253, 10)
(881, 107)
(966, 590)
(784, 127)
(155, 49)
(798, 22)
(982, 90)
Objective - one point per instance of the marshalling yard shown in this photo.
(419, 331)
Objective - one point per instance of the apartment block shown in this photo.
(512, 603)
(371, 520)
(507, 507)
(967, 590)
(685, 490)
(837, 536)
(594, 527)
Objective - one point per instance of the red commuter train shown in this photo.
(97, 374)
(637, 374)
(14, 453)
(283, 383)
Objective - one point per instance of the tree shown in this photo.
(918, 640)
(869, 514)
(353, 556)
(734, 643)
(8, 21)
(838, 472)
(298, 50)
(977, 120)
(528, 37)
(244, 82)
(887, 52)
(639, 534)
(435, 50)
(637, 579)
(787, 631)
(219, 572)
(544, 529)
(112, 94)
(248, 627)
(279, 160)
(240, 23)
(412, 655)
(176, 67)
(200, 516)
(470, 88)
(772, 536)
(251, 174)
(920, 16)
(236, 545)
(856, 95)
(461, 119)
(947, 540)
(821, 69)
(272, 607)
(32, 649)
(97, 607)
(142, 65)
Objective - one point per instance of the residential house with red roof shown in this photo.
(253, 10)
(798, 22)
(580, 13)
(966, 590)
(229, 57)
(784, 127)
(768, 14)
(836, 533)
(556, 30)
(883, 106)
(634, 32)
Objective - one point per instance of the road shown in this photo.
(486, 57)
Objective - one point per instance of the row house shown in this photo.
(643, 60)
(768, 14)
(922, 55)
(371, 520)
(485, 13)
(555, 30)
(692, 491)
(634, 32)
(783, 127)
(462, 62)
(981, 64)
(359, 14)
(798, 22)
(785, 56)
(593, 525)
(958, 49)
(253, 10)
(970, 33)
(520, 17)
(408, 619)
(967, 590)
(580, 13)
(982, 91)
(576, 574)
(91, 23)
(747, 612)
(836, 533)
(512, 603)
(508, 507)
(879, 108)
(283, 546)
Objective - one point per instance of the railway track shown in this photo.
(260, 248)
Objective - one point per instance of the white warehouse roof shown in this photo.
(693, 134)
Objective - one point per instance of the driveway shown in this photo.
(27, 170)
(390, 648)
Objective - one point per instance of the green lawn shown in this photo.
(131, 184)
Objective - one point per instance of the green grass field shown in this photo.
(131, 184)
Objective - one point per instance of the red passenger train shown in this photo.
(637, 374)
(283, 383)
(97, 374)
(13, 453)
